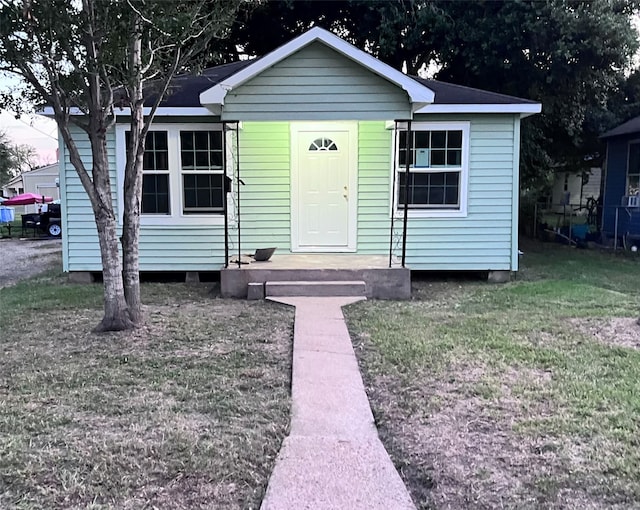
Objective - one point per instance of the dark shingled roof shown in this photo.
(631, 126)
(186, 89)
(449, 93)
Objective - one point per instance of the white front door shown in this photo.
(323, 178)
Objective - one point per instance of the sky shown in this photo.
(36, 131)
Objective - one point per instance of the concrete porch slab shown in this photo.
(380, 282)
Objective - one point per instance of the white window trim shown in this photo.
(461, 212)
(166, 172)
(177, 215)
(629, 144)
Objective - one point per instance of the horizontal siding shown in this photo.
(265, 200)
(179, 249)
(316, 83)
(82, 251)
(480, 241)
(168, 248)
(374, 167)
(616, 184)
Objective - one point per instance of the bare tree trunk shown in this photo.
(130, 249)
(131, 233)
(133, 181)
(116, 313)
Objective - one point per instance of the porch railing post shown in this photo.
(225, 193)
(393, 190)
(238, 188)
(615, 231)
(406, 193)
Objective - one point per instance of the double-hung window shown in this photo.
(435, 184)
(155, 174)
(183, 173)
(202, 172)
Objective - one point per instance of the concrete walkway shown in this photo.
(332, 458)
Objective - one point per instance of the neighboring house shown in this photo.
(42, 181)
(574, 190)
(621, 196)
(316, 131)
(14, 187)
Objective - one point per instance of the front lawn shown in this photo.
(187, 412)
(522, 395)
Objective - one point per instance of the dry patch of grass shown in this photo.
(524, 395)
(617, 331)
(186, 412)
(455, 441)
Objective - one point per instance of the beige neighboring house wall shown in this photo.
(14, 187)
(574, 185)
(42, 181)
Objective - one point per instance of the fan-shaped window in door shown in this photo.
(323, 144)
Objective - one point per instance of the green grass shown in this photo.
(186, 412)
(519, 359)
(16, 226)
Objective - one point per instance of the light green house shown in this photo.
(310, 141)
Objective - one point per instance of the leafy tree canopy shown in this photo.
(571, 56)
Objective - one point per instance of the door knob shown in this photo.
(346, 193)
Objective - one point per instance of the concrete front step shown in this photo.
(315, 288)
(381, 283)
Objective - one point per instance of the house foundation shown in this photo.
(81, 277)
(499, 276)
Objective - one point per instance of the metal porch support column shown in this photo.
(225, 192)
(615, 230)
(393, 190)
(406, 192)
(238, 188)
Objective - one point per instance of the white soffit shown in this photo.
(524, 108)
(199, 111)
(418, 93)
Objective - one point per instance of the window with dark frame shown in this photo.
(155, 174)
(435, 169)
(633, 169)
(201, 158)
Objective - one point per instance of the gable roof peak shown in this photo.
(419, 94)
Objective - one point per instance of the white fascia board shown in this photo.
(169, 111)
(523, 108)
(47, 111)
(417, 92)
